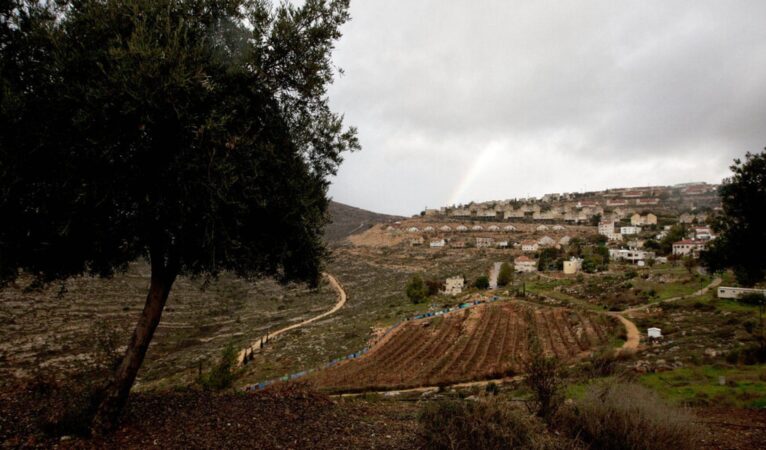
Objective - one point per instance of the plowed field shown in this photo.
(484, 342)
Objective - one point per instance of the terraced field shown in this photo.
(479, 343)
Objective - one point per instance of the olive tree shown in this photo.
(193, 133)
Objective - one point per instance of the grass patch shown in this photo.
(743, 386)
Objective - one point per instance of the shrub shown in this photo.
(222, 375)
(627, 416)
(481, 282)
(505, 275)
(416, 289)
(544, 379)
(434, 287)
(483, 424)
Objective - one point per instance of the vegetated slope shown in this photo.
(347, 220)
(484, 342)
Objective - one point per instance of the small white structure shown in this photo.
(573, 266)
(654, 333)
(493, 228)
(630, 230)
(428, 229)
(454, 285)
(477, 228)
(462, 228)
(529, 246)
(509, 228)
(736, 292)
(559, 228)
(484, 242)
(412, 230)
(438, 244)
(565, 240)
(417, 241)
(524, 264)
(501, 244)
(629, 254)
(542, 228)
(445, 228)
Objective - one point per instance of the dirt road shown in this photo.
(703, 291)
(342, 297)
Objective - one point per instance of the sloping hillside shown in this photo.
(347, 220)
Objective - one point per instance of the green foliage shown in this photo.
(481, 282)
(741, 227)
(416, 290)
(550, 259)
(168, 129)
(595, 258)
(222, 375)
(434, 287)
(676, 233)
(505, 276)
(543, 377)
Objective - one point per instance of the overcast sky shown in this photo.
(477, 100)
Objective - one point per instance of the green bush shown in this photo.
(627, 416)
(544, 379)
(416, 290)
(505, 275)
(222, 375)
(487, 423)
(481, 282)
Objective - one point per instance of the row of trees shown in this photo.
(419, 290)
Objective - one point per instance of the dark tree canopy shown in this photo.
(167, 129)
(741, 226)
(193, 133)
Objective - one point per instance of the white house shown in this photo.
(454, 285)
(445, 228)
(630, 230)
(438, 243)
(509, 228)
(462, 228)
(688, 247)
(632, 255)
(493, 228)
(559, 228)
(529, 246)
(703, 233)
(546, 241)
(501, 244)
(524, 264)
(417, 241)
(428, 229)
(477, 228)
(542, 228)
(654, 333)
(518, 214)
(484, 242)
(736, 292)
(606, 228)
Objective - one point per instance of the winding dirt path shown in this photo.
(634, 337)
(717, 281)
(342, 297)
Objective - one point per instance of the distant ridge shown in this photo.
(347, 220)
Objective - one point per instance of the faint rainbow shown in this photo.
(481, 163)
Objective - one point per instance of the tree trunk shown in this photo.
(115, 394)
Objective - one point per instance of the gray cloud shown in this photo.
(551, 96)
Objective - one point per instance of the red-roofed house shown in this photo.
(688, 247)
(524, 264)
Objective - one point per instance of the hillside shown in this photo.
(347, 220)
